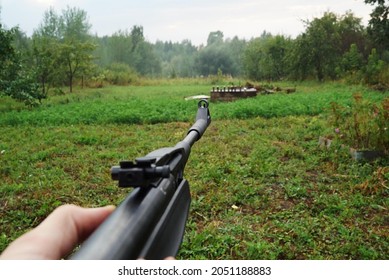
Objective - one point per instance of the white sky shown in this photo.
(177, 20)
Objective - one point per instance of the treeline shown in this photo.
(62, 52)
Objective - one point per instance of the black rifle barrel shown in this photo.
(203, 119)
(150, 222)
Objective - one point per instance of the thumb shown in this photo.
(58, 234)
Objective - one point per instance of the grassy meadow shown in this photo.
(262, 187)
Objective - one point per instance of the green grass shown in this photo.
(156, 104)
(261, 186)
(294, 200)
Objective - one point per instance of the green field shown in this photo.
(261, 186)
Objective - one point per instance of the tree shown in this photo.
(352, 31)
(51, 26)
(63, 47)
(16, 80)
(324, 49)
(373, 68)
(298, 58)
(143, 58)
(45, 58)
(7, 51)
(274, 62)
(352, 60)
(45, 44)
(323, 41)
(75, 25)
(265, 57)
(137, 37)
(379, 24)
(119, 47)
(219, 56)
(76, 58)
(177, 59)
(75, 52)
(214, 59)
(318, 49)
(131, 48)
(253, 55)
(145, 61)
(235, 49)
(351, 65)
(215, 37)
(7, 57)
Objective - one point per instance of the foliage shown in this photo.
(220, 54)
(22, 87)
(185, 60)
(16, 80)
(131, 48)
(373, 68)
(120, 74)
(177, 59)
(8, 56)
(63, 53)
(62, 47)
(215, 38)
(298, 60)
(352, 60)
(352, 31)
(74, 25)
(337, 43)
(363, 125)
(378, 23)
(76, 58)
(44, 59)
(321, 39)
(351, 65)
(265, 58)
(211, 59)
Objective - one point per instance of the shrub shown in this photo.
(120, 74)
(363, 125)
(374, 69)
(16, 79)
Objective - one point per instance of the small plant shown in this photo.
(363, 126)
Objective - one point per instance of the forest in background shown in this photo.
(63, 52)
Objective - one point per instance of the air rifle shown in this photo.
(150, 222)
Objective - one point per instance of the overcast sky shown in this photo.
(177, 20)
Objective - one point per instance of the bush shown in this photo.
(120, 74)
(21, 85)
(373, 68)
(363, 125)
(17, 80)
(383, 78)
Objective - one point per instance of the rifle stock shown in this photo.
(150, 222)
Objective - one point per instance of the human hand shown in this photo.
(58, 234)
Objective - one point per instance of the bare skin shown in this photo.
(58, 234)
